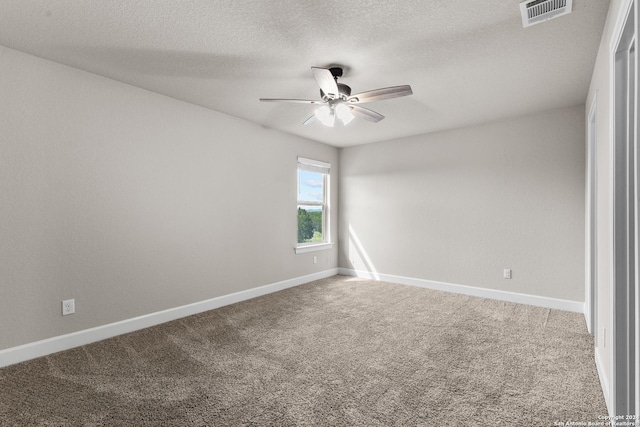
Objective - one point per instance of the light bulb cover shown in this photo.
(344, 113)
(326, 116)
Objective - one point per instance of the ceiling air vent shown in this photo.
(537, 11)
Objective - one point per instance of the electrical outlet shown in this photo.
(315, 259)
(507, 273)
(68, 306)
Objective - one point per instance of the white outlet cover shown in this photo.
(68, 307)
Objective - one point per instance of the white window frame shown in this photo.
(324, 168)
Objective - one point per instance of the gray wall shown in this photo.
(131, 202)
(461, 205)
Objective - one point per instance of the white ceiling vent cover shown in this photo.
(537, 11)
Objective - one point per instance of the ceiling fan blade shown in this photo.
(326, 81)
(379, 94)
(365, 113)
(310, 120)
(297, 101)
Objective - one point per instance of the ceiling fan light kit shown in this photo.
(326, 116)
(337, 99)
(344, 113)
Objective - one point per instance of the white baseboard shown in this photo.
(64, 342)
(546, 302)
(604, 383)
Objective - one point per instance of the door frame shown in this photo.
(591, 283)
(624, 264)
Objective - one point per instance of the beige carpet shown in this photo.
(336, 352)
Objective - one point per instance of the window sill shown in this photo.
(313, 248)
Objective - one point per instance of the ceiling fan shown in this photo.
(337, 101)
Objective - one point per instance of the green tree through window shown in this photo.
(305, 226)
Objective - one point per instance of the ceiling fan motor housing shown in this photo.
(345, 91)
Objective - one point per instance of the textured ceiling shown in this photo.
(467, 61)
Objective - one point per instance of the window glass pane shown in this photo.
(310, 186)
(310, 224)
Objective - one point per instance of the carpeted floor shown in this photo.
(335, 352)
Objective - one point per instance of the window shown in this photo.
(313, 205)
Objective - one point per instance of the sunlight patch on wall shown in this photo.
(358, 257)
